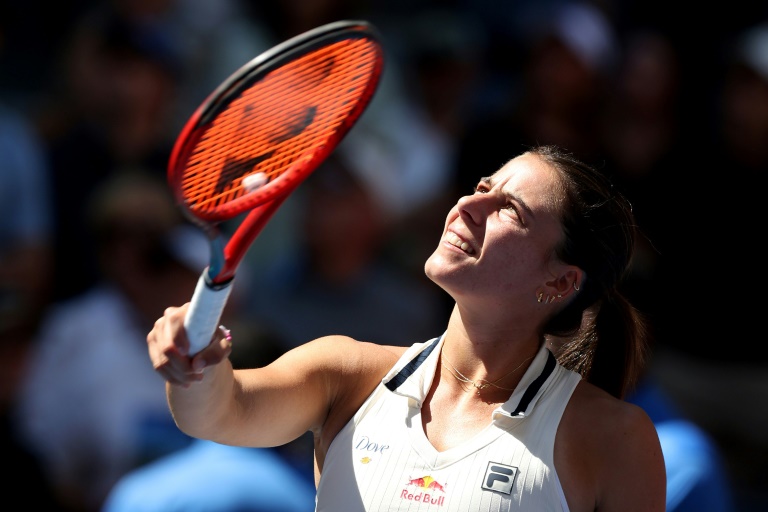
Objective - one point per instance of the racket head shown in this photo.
(271, 123)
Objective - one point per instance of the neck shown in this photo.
(483, 384)
(493, 347)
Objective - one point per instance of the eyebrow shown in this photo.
(488, 180)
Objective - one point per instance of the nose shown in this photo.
(472, 208)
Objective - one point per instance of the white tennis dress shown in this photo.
(382, 461)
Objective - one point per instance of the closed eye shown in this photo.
(511, 209)
(483, 186)
(510, 206)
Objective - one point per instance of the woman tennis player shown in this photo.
(488, 416)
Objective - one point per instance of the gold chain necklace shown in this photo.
(480, 384)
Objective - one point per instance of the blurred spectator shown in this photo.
(26, 227)
(570, 67)
(26, 261)
(645, 156)
(26, 277)
(570, 59)
(207, 41)
(26, 266)
(283, 19)
(29, 44)
(90, 406)
(716, 361)
(440, 51)
(130, 75)
(113, 109)
(211, 477)
(696, 481)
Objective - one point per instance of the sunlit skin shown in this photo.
(495, 256)
(511, 227)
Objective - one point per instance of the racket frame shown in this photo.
(215, 283)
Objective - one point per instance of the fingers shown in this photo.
(226, 333)
(168, 348)
(218, 350)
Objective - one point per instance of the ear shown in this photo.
(568, 281)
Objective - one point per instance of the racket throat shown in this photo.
(217, 262)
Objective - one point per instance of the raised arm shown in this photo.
(327, 377)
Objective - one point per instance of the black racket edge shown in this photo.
(276, 56)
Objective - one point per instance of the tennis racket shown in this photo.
(257, 137)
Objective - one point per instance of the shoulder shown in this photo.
(611, 445)
(605, 425)
(348, 368)
(353, 369)
(351, 355)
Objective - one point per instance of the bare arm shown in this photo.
(608, 455)
(634, 475)
(266, 406)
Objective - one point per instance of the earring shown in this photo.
(575, 287)
(559, 296)
(538, 299)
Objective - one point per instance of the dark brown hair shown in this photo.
(601, 335)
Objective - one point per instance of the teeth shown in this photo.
(454, 240)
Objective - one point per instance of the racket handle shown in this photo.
(205, 311)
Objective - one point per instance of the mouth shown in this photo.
(453, 239)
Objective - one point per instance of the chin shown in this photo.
(436, 270)
(431, 265)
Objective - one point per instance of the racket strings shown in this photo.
(281, 119)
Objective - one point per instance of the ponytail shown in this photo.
(611, 348)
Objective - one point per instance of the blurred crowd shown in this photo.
(672, 105)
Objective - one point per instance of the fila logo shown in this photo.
(499, 477)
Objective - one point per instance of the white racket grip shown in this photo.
(204, 313)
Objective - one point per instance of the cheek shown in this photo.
(516, 264)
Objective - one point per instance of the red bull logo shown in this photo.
(434, 484)
(427, 489)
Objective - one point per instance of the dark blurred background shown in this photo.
(669, 99)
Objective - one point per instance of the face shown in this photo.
(498, 243)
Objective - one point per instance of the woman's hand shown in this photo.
(168, 347)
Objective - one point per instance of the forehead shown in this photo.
(532, 179)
